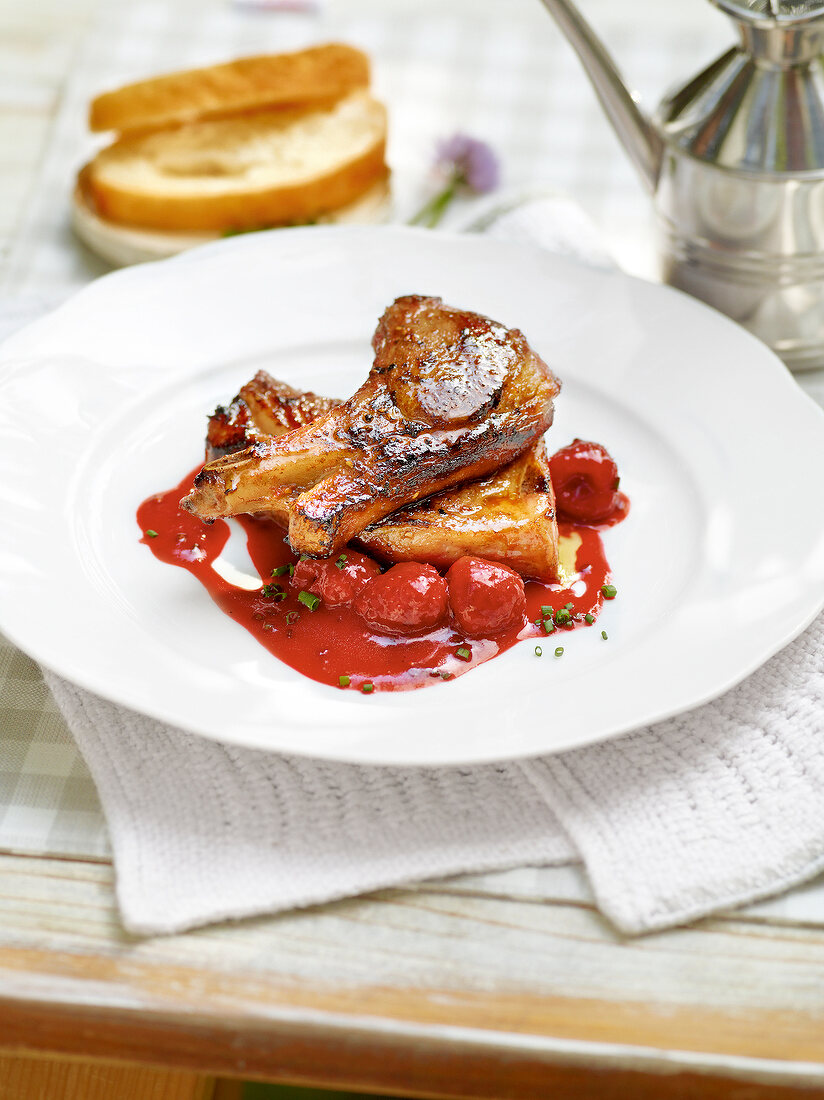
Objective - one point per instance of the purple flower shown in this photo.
(465, 164)
(469, 162)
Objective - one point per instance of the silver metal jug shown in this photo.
(735, 161)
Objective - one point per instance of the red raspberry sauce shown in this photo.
(331, 642)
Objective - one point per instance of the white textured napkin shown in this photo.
(717, 807)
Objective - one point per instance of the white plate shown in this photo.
(720, 563)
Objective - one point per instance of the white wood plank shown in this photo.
(558, 885)
(464, 973)
(405, 939)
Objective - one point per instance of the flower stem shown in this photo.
(432, 212)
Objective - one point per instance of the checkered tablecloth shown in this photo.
(497, 70)
(48, 803)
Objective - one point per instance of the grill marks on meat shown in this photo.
(451, 396)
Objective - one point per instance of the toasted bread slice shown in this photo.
(128, 244)
(277, 167)
(312, 76)
(508, 517)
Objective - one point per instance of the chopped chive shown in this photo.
(303, 557)
(367, 689)
(283, 570)
(446, 675)
(309, 600)
(547, 610)
(151, 534)
(538, 651)
(616, 483)
(341, 561)
(559, 652)
(344, 681)
(569, 606)
(464, 653)
(604, 635)
(291, 618)
(548, 625)
(610, 591)
(272, 591)
(589, 618)
(562, 617)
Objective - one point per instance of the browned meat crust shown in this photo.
(451, 396)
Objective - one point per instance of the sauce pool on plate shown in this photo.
(331, 642)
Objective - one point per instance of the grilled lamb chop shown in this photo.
(508, 516)
(451, 396)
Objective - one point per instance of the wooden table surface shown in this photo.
(446, 991)
(500, 986)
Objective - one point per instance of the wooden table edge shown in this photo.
(311, 1048)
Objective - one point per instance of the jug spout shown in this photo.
(639, 137)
